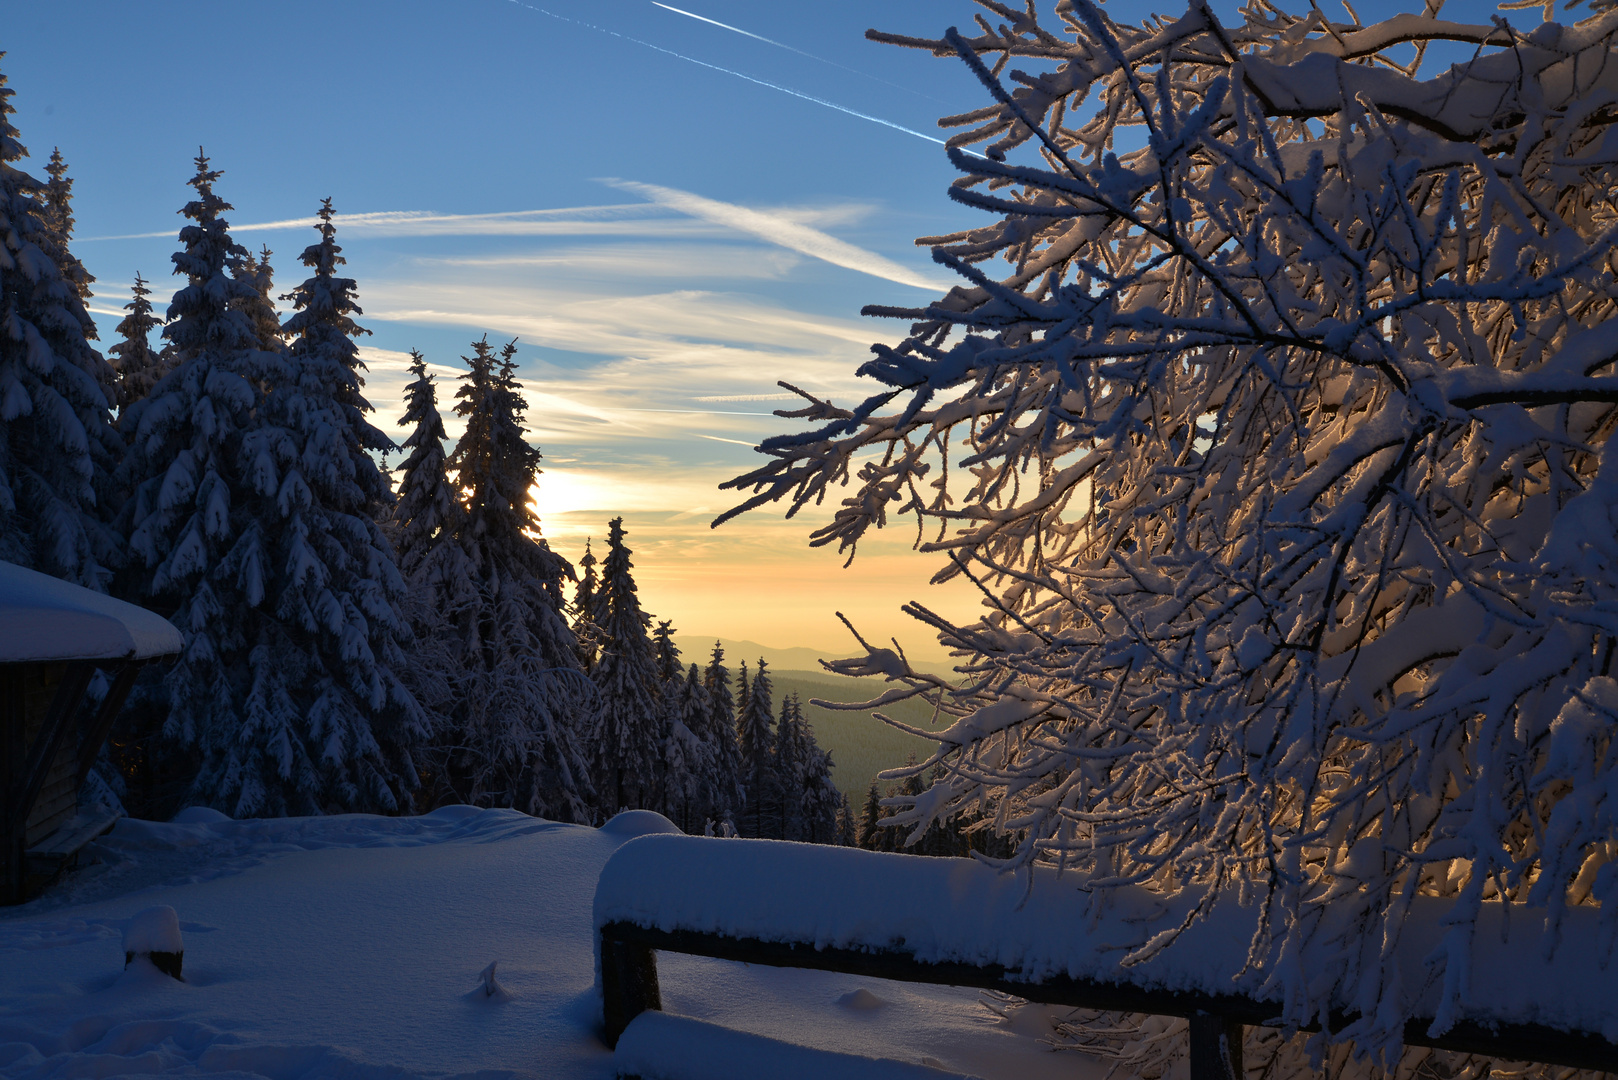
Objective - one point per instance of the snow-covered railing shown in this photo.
(961, 923)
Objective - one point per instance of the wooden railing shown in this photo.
(629, 987)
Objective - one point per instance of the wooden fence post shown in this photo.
(1216, 1048)
(628, 983)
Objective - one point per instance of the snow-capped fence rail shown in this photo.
(960, 923)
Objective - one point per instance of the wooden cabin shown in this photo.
(54, 635)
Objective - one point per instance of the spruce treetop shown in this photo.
(58, 195)
(138, 365)
(668, 654)
(427, 515)
(202, 318)
(328, 364)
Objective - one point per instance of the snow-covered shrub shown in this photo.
(1280, 450)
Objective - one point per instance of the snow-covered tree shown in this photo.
(57, 443)
(253, 516)
(260, 306)
(1280, 442)
(200, 529)
(584, 609)
(425, 528)
(137, 364)
(755, 736)
(427, 514)
(728, 793)
(871, 832)
(520, 733)
(58, 197)
(337, 644)
(845, 825)
(821, 802)
(627, 747)
(688, 786)
(789, 763)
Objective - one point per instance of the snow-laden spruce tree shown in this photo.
(59, 220)
(427, 513)
(629, 742)
(1272, 415)
(728, 793)
(251, 517)
(335, 646)
(57, 443)
(425, 527)
(522, 722)
(584, 607)
(200, 531)
(759, 816)
(137, 364)
(789, 765)
(260, 306)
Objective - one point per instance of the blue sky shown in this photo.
(665, 238)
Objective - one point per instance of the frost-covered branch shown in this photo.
(1277, 441)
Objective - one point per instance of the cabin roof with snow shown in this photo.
(43, 618)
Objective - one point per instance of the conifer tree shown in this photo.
(260, 306)
(200, 522)
(58, 194)
(253, 515)
(425, 529)
(626, 674)
(137, 365)
(820, 801)
(427, 516)
(870, 835)
(757, 739)
(789, 771)
(57, 443)
(728, 793)
(669, 667)
(688, 754)
(845, 824)
(584, 608)
(340, 654)
(518, 734)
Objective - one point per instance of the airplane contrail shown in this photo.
(775, 229)
(738, 74)
(789, 48)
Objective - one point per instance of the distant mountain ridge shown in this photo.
(696, 650)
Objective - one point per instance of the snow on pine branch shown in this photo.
(1279, 447)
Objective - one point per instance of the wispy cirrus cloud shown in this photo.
(629, 259)
(614, 219)
(783, 231)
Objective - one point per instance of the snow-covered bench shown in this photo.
(957, 922)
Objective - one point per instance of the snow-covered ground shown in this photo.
(352, 946)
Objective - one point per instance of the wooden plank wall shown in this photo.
(59, 797)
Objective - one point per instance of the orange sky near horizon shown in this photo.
(756, 577)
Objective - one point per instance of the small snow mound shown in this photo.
(454, 812)
(862, 1000)
(157, 929)
(198, 815)
(633, 823)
